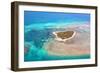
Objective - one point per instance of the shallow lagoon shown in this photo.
(36, 40)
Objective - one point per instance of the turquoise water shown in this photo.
(38, 28)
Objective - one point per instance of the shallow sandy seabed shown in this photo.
(79, 45)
